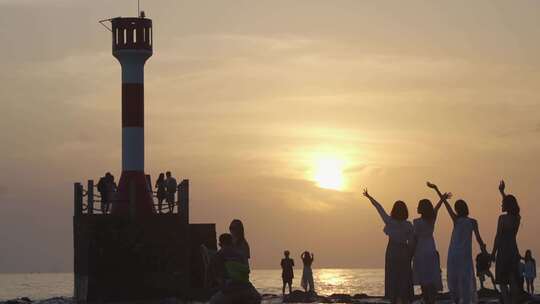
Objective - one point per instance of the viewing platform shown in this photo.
(138, 256)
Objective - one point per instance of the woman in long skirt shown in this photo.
(397, 270)
(460, 267)
(426, 263)
(505, 249)
(307, 273)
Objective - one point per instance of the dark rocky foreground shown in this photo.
(485, 296)
(297, 296)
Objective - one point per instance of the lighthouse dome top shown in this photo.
(132, 33)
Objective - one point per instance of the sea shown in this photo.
(41, 286)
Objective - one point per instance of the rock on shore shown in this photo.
(486, 296)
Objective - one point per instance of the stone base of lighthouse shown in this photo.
(133, 187)
(118, 258)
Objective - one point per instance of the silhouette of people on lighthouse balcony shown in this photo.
(107, 188)
(171, 186)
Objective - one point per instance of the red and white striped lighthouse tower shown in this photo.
(132, 46)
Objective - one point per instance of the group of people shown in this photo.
(107, 188)
(287, 271)
(230, 268)
(166, 188)
(413, 243)
(527, 271)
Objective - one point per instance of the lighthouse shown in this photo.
(132, 46)
(149, 256)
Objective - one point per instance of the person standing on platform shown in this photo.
(161, 192)
(171, 186)
(112, 189)
(102, 188)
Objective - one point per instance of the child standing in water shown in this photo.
(287, 273)
(529, 272)
(307, 274)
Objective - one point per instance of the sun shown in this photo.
(328, 173)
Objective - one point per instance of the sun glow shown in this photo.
(329, 173)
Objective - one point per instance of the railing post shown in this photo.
(183, 200)
(77, 199)
(132, 199)
(150, 191)
(90, 198)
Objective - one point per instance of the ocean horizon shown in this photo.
(40, 286)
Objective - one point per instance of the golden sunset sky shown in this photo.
(279, 113)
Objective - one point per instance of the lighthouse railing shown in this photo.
(93, 204)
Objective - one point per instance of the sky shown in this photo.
(279, 113)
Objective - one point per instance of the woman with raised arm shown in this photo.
(460, 267)
(307, 273)
(505, 249)
(397, 270)
(426, 263)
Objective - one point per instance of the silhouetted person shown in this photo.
(287, 271)
(397, 269)
(106, 188)
(521, 279)
(233, 275)
(483, 265)
(113, 187)
(426, 263)
(171, 185)
(236, 228)
(307, 273)
(241, 245)
(529, 272)
(460, 269)
(505, 249)
(161, 194)
(103, 192)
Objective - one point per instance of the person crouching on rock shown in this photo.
(483, 265)
(287, 273)
(233, 274)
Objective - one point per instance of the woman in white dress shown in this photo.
(307, 273)
(460, 270)
(397, 268)
(426, 263)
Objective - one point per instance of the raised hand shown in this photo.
(502, 186)
(447, 195)
(377, 206)
(366, 194)
(431, 185)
